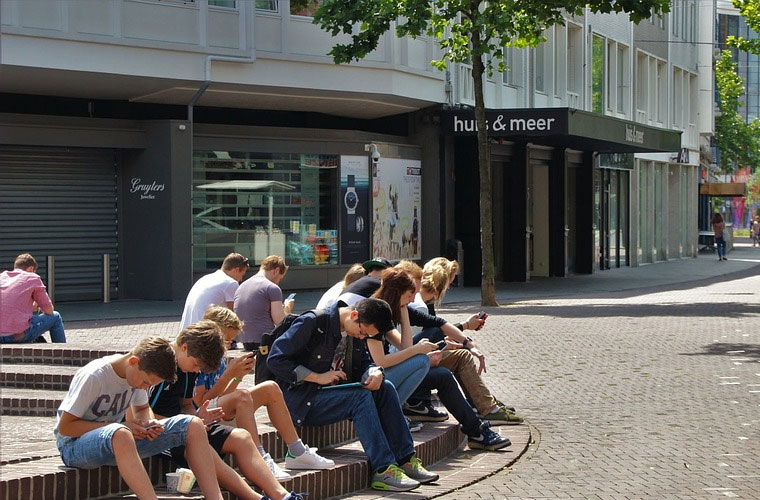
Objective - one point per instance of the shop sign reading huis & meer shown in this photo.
(518, 122)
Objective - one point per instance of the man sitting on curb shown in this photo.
(21, 292)
(306, 361)
(200, 347)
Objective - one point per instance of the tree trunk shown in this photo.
(487, 287)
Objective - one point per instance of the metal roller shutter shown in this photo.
(61, 202)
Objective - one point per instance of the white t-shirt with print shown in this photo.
(98, 394)
(330, 297)
(215, 289)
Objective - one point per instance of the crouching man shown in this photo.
(307, 360)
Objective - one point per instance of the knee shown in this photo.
(122, 437)
(271, 389)
(242, 396)
(196, 425)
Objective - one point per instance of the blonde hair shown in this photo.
(354, 273)
(411, 268)
(447, 268)
(224, 317)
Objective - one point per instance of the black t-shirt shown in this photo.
(166, 399)
(364, 286)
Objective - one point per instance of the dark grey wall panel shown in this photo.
(61, 202)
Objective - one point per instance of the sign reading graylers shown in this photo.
(525, 122)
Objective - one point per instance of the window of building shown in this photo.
(268, 5)
(597, 74)
(642, 89)
(621, 99)
(228, 4)
(260, 204)
(540, 70)
(611, 75)
(662, 92)
(307, 8)
(513, 67)
(574, 58)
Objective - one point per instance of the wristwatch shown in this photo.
(351, 201)
(466, 341)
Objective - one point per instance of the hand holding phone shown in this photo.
(441, 344)
(292, 296)
(153, 426)
(482, 315)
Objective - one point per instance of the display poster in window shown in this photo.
(354, 193)
(396, 202)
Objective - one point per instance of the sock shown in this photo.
(297, 448)
(262, 450)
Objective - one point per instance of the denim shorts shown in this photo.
(95, 448)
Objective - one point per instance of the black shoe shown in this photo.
(424, 412)
(486, 439)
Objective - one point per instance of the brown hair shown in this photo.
(205, 342)
(234, 261)
(354, 273)
(25, 260)
(411, 268)
(156, 357)
(274, 262)
(224, 317)
(394, 283)
(716, 218)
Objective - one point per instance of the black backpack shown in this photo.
(261, 371)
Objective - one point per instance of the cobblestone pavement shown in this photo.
(647, 393)
(644, 394)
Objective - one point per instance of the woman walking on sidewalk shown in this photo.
(720, 243)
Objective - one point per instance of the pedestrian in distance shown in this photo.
(27, 311)
(331, 295)
(718, 226)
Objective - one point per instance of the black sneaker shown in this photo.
(486, 439)
(424, 412)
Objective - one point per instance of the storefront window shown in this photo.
(597, 74)
(260, 204)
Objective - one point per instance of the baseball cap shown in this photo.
(380, 262)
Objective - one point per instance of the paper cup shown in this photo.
(186, 480)
(172, 481)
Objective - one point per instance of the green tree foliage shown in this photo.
(466, 31)
(739, 141)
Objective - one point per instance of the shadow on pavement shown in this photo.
(705, 309)
(728, 349)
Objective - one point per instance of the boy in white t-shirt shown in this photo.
(91, 430)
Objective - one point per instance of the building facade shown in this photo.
(164, 134)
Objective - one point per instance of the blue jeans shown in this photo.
(452, 398)
(378, 420)
(39, 324)
(95, 448)
(433, 334)
(720, 243)
(407, 375)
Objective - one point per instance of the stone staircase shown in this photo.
(33, 381)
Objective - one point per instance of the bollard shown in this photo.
(51, 277)
(106, 278)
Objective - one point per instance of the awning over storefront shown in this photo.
(566, 127)
(725, 189)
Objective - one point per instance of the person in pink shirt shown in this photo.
(21, 293)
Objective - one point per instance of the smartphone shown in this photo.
(153, 426)
(441, 345)
(291, 297)
(349, 385)
(482, 315)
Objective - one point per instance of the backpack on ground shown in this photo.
(261, 371)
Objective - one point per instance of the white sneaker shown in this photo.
(278, 473)
(308, 460)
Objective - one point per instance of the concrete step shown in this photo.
(47, 478)
(35, 376)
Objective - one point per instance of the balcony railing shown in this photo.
(641, 116)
